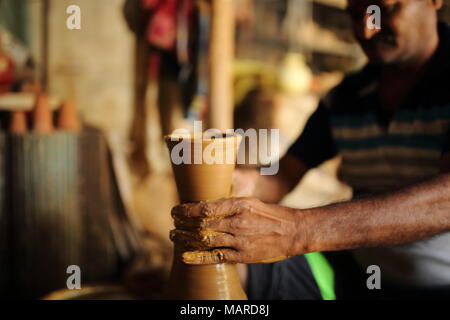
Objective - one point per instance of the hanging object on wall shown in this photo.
(162, 28)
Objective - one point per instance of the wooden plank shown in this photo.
(221, 56)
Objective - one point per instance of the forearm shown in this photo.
(247, 230)
(410, 214)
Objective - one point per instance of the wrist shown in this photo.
(302, 239)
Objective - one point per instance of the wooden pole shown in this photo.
(45, 43)
(221, 55)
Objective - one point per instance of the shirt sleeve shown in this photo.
(315, 145)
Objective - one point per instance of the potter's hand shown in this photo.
(237, 230)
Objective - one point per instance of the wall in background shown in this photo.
(94, 65)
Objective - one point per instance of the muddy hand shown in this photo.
(237, 230)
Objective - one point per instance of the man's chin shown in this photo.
(382, 58)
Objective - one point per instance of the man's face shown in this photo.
(406, 25)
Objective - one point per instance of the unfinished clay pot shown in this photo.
(209, 180)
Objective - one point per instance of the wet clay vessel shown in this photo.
(199, 182)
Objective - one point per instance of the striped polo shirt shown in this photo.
(382, 155)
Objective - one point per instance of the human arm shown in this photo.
(246, 230)
(250, 231)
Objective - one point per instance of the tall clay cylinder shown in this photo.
(205, 173)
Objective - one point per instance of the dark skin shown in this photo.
(254, 229)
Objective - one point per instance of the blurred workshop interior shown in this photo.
(133, 72)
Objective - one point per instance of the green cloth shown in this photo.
(323, 274)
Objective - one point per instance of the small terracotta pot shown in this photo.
(208, 180)
(42, 115)
(68, 117)
(18, 124)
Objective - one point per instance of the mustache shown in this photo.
(385, 38)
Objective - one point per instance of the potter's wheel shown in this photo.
(107, 292)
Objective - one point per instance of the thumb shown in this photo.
(215, 256)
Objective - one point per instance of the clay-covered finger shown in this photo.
(223, 225)
(182, 223)
(204, 209)
(187, 239)
(219, 224)
(204, 239)
(211, 257)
